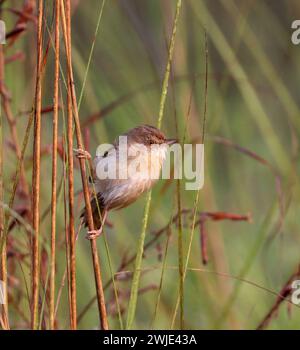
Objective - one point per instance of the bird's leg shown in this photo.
(81, 153)
(96, 233)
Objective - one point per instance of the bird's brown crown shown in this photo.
(145, 134)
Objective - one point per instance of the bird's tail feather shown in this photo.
(97, 212)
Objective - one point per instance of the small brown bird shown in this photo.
(146, 150)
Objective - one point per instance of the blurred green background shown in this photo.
(252, 100)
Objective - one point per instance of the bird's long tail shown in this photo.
(97, 212)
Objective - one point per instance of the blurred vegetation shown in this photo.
(252, 101)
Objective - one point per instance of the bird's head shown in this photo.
(147, 135)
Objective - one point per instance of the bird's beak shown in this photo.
(171, 141)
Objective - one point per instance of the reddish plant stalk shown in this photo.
(203, 241)
(283, 295)
(3, 262)
(54, 168)
(72, 238)
(15, 139)
(96, 262)
(36, 172)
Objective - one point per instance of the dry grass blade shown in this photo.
(54, 167)
(36, 172)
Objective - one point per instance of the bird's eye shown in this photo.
(105, 154)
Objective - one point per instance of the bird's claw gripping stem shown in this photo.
(93, 234)
(82, 154)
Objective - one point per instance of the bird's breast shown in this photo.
(142, 168)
